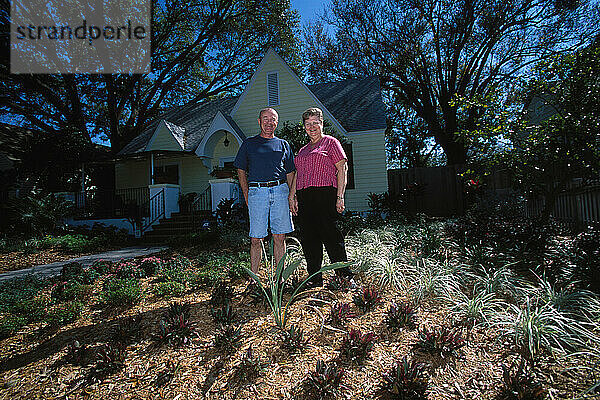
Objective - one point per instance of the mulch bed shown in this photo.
(33, 362)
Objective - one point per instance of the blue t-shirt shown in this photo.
(264, 159)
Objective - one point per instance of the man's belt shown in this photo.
(266, 184)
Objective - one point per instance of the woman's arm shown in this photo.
(342, 179)
(291, 178)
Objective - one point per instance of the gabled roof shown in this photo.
(355, 103)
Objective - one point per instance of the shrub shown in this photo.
(127, 270)
(121, 292)
(357, 346)
(440, 341)
(324, 382)
(404, 381)
(151, 265)
(13, 292)
(169, 289)
(64, 313)
(65, 291)
(102, 267)
(34, 309)
(207, 276)
(367, 299)
(400, 316)
(71, 271)
(10, 324)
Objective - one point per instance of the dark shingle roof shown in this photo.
(355, 103)
(194, 118)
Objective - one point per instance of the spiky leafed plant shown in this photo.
(405, 381)
(519, 383)
(227, 337)
(249, 367)
(340, 313)
(277, 277)
(127, 330)
(338, 283)
(400, 315)
(367, 299)
(324, 382)
(221, 294)
(177, 328)
(224, 315)
(293, 339)
(110, 358)
(357, 346)
(475, 310)
(79, 353)
(440, 340)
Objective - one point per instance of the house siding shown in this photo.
(132, 173)
(163, 140)
(370, 170)
(194, 175)
(222, 151)
(293, 98)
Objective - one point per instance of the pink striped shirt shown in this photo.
(316, 165)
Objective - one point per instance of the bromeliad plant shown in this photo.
(324, 382)
(405, 380)
(224, 315)
(367, 299)
(293, 340)
(400, 315)
(441, 341)
(519, 383)
(340, 313)
(278, 275)
(177, 328)
(357, 346)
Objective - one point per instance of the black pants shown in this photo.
(316, 222)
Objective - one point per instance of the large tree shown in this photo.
(201, 49)
(431, 54)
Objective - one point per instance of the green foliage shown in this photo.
(586, 259)
(224, 315)
(117, 292)
(519, 383)
(339, 313)
(169, 289)
(39, 214)
(221, 294)
(293, 340)
(473, 310)
(400, 316)
(10, 324)
(127, 270)
(279, 274)
(440, 341)
(151, 265)
(367, 299)
(405, 381)
(33, 309)
(324, 382)
(14, 292)
(228, 337)
(296, 135)
(357, 346)
(176, 328)
(66, 291)
(64, 313)
(102, 267)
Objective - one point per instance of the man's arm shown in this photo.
(291, 181)
(342, 179)
(243, 183)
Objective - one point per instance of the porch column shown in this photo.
(151, 168)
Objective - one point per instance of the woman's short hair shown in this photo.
(312, 112)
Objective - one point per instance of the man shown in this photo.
(265, 166)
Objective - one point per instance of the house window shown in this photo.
(273, 89)
(166, 174)
(348, 150)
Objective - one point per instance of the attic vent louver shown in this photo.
(273, 89)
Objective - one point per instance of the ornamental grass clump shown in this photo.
(293, 340)
(357, 346)
(441, 341)
(340, 313)
(324, 382)
(400, 315)
(476, 310)
(367, 298)
(405, 381)
(278, 276)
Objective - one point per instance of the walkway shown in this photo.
(54, 268)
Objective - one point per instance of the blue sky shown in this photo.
(308, 9)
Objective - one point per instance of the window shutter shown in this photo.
(272, 89)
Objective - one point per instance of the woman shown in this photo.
(317, 196)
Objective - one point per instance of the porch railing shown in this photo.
(201, 204)
(112, 203)
(156, 205)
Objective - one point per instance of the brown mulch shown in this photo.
(17, 260)
(33, 363)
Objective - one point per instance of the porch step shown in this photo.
(179, 224)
